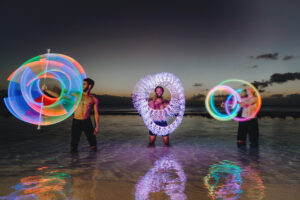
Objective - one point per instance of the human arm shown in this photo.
(248, 101)
(45, 89)
(151, 104)
(96, 115)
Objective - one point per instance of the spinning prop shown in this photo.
(26, 100)
(175, 108)
(232, 103)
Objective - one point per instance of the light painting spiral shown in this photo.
(26, 100)
(175, 108)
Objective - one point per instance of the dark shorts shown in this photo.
(159, 123)
(248, 127)
(79, 126)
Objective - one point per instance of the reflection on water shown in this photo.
(50, 184)
(125, 169)
(226, 180)
(166, 176)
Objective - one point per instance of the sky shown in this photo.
(117, 43)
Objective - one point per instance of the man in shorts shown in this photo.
(158, 103)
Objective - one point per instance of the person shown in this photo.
(249, 105)
(158, 103)
(81, 118)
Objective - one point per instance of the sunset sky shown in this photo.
(202, 43)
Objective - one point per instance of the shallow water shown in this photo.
(203, 161)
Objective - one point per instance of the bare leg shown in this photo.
(152, 140)
(166, 140)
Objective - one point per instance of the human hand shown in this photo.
(44, 87)
(96, 130)
(222, 105)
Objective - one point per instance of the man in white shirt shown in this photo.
(248, 105)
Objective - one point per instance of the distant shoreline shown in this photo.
(272, 114)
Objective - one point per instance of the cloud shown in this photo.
(198, 96)
(288, 57)
(268, 56)
(197, 84)
(277, 78)
(281, 78)
(261, 84)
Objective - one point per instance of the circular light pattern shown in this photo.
(224, 180)
(167, 175)
(231, 105)
(175, 108)
(26, 100)
(232, 180)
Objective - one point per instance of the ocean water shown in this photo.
(203, 161)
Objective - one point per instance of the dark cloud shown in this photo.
(277, 78)
(197, 84)
(281, 78)
(268, 56)
(261, 84)
(261, 90)
(198, 96)
(288, 57)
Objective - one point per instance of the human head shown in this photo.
(250, 91)
(159, 91)
(88, 84)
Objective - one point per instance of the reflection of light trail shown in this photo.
(50, 185)
(227, 179)
(167, 175)
(251, 176)
(224, 180)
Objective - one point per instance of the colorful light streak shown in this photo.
(47, 185)
(224, 181)
(235, 107)
(27, 102)
(175, 108)
(230, 180)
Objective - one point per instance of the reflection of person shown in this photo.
(158, 103)
(249, 105)
(81, 120)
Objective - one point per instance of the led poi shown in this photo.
(26, 100)
(175, 108)
(231, 105)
